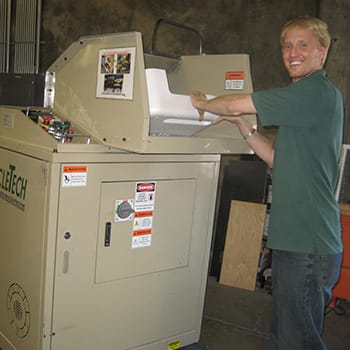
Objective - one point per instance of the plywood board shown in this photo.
(243, 244)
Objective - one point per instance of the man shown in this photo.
(304, 232)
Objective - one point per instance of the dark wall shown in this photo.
(337, 14)
(227, 26)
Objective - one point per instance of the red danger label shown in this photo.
(146, 187)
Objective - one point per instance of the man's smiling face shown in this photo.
(302, 52)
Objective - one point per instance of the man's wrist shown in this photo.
(249, 134)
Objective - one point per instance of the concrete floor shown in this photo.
(239, 319)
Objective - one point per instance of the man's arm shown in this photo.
(261, 146)
(230, 107)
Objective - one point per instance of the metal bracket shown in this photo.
(178, 25)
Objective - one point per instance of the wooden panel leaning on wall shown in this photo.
(243, 244)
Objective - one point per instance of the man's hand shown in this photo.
(232, 119)
(198, 99)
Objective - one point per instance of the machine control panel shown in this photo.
(62, 130)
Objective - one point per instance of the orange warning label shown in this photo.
(141, 232)
(75, 169)
(142, 214)
(234, 75)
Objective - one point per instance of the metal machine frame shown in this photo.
(105, 238)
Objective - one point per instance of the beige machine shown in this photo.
(107, 201)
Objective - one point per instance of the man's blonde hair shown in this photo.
(315, 25)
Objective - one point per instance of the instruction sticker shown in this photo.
(74, 176)
(143, 214)
(234, 80)
(115, 77)
(8, 121)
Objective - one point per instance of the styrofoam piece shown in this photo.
(172, 114)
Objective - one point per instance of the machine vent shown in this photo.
(18, 310)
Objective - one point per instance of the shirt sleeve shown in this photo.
(299, 104)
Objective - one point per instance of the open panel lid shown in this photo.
(99, 83)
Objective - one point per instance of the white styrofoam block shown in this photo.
(163, 103)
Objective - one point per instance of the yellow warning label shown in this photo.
(174, 345)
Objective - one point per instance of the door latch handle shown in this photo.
(108, 234)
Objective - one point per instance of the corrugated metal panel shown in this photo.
(25, 36)
(5, 15)
(19, 36)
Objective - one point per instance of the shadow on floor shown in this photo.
(239, 319)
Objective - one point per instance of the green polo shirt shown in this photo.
(304, 213)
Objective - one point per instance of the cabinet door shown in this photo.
(125, 283)
(147, 241)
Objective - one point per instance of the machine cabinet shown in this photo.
(107, 203)
(104, 254)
